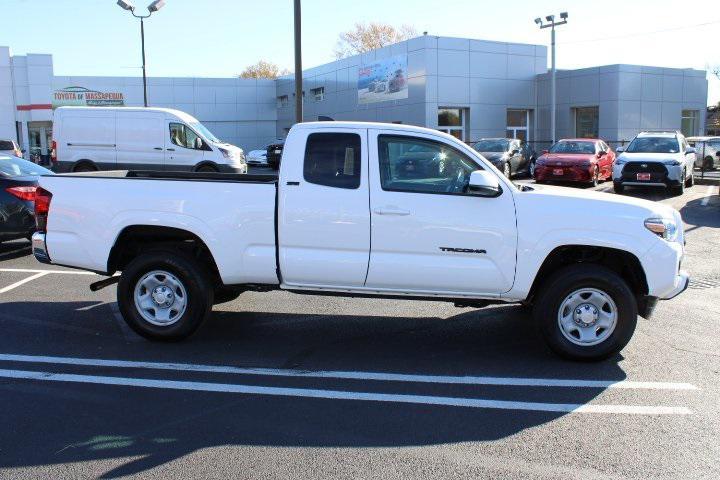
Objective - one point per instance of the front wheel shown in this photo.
(164, 295)
(690, 180)
(586, 312)
(531, 169)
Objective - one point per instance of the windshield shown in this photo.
(654, 145)
(573, 147)
(203, 131)
(492, 145)
(15, 167)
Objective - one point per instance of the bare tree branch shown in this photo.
(264, 69)
(369, 36)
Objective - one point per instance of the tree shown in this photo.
(369, 36)
(263, 69)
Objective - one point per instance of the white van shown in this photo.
(129, 138)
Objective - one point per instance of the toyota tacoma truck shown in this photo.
(349, 215)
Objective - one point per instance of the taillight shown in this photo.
(42, 208)
(23, 193)
(53, 152)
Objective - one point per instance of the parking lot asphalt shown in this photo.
(278, 385)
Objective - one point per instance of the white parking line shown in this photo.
(22, 282)
(708, 195)
(390, 377)
(31, 270)
(346, 395)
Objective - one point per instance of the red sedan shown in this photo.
(586, 160)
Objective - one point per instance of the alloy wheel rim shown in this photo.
(160, 298)
(588, 316)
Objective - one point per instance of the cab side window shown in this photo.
(183, 136)
(333, 160)
(410, 164)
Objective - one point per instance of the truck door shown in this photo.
(428, 233)
(324, 216)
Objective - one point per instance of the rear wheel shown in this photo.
(164, 295)
(207, 169)
(586, 312)
(708, 163)
(85, 167)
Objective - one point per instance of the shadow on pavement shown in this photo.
(696, 214)
(13, 250)
(59, 423)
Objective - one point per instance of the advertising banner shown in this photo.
(383, 80)
(84, 97)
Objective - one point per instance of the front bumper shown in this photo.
(39, 247)
(682, 280)
(660, 175)
(564, 173)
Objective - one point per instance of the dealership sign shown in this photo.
(383, 80)
(84, 97)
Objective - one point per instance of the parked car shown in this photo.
(397, 82)
(274, 154)
(585, 160)
(18, 183)
(656, 159)
(706, 149)
(510, 156)
(342, 219)
(129, 138)
(10, 147)
(257, 157)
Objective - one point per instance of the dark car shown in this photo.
(274, 153)
(509, 155)
(18, 182)
(584, 160)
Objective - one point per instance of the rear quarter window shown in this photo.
(332, 159)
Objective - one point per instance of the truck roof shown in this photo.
(378, 125)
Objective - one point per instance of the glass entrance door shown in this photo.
(40, 137)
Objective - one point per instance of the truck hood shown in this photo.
(588, 203)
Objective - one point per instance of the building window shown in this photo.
(517, 124)
(282, 101)
(587, 121)
(689, 124)
(318, 94)
(452, 121)
(333, 160)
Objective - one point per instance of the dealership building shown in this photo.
(469, 88)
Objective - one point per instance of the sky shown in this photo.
(218, 38)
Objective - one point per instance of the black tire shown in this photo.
(708, 163)
(679, 189)
(85, 167)
(207, 169)
(563, 283)
(618, 187)
(691, 180)
(194, 279)
(223, 295)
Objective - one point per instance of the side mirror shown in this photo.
(620, 149)
(690, 150)
(484, 184)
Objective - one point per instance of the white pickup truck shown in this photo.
(365, 209)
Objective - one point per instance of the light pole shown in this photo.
(553, 100)
(298, 65)
(152, 8)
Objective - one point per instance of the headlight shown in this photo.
(663, 227)
(672, 162)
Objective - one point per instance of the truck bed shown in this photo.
(234, 214)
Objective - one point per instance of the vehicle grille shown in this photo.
(658, 172)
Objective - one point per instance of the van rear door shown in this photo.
(140, 142)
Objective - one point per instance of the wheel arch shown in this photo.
(135, 239)
(83, 161)
(206, 163)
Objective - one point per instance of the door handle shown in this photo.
(170, 149)
(158, 148)
(391, 211)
